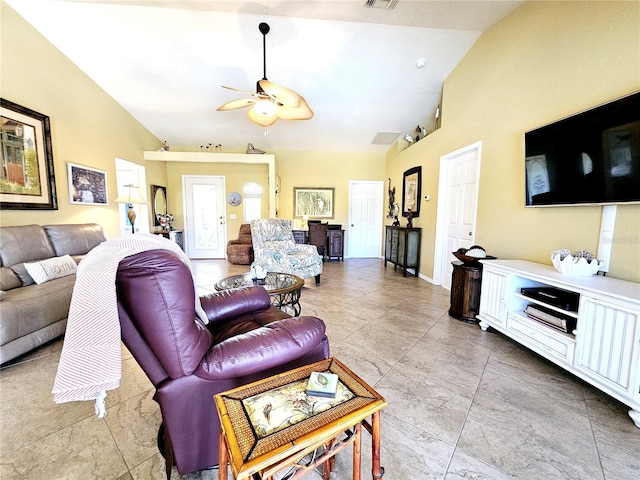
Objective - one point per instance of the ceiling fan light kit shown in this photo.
(271, 101)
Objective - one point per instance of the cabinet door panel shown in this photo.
(607, 343)
(492, 297)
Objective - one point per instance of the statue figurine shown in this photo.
(396, 212)
(392, 199)
(409, 219)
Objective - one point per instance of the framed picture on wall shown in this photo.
(313, 202)
(27, 179)
(87, 186)
(411, 185)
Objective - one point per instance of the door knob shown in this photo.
(469, 233)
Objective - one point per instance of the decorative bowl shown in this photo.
(471, 260)
(575, 266)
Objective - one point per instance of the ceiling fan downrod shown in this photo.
(264, 29)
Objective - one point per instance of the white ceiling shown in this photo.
(165, 61)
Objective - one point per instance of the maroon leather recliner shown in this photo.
(247, 339)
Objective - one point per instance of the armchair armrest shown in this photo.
(228, 304)
(303, 247)
(264, 348)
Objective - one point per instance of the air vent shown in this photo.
(384, 4)
(384, 138)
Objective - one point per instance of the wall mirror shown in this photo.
(159, 205)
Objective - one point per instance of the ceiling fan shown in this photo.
(271, 101)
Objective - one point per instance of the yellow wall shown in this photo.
(325, 169)
(87, 126)
(545, 61)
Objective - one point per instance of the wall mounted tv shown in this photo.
(592, 158)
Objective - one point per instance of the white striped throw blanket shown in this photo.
(91, 358)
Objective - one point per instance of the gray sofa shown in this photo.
(32, 314)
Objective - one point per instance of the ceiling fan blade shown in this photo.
(283, 95)
(253, 94)
(239, 103)
(261, 120)
(301, 112)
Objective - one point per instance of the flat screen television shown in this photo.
(592, 158)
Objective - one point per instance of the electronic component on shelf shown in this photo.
(554, 296)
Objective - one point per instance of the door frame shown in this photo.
(379, 212)
(443, 194)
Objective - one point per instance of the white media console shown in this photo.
(604, 348)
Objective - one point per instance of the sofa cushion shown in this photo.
(8, 279)
(74, 239)
(51, 268)
(29, 309)
(24, 243)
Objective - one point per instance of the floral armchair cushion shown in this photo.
(275, 250)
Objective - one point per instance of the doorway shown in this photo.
(204, 216)
(456, 217)
(365, 219)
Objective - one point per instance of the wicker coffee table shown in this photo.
(283, 288)
(271, 425)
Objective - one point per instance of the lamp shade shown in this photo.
(131, 196)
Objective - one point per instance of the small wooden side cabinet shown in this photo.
(300, 236)
(466, 281)
(402, 248)
(335, 245)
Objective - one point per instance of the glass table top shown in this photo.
(273, 283)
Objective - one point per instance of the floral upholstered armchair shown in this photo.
(275, 250)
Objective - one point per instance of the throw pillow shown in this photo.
(9, 279)
(51, 268)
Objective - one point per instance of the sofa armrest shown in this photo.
(228, 304)
(262, 349)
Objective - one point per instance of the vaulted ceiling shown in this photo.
(357, 66)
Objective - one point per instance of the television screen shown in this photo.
(589, 158)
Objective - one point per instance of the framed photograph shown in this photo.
(87, 186)
(313, 202)
(411, 185)
(27, 179)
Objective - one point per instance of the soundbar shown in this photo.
(554, 296)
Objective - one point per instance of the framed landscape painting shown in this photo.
(27, 179)
(87, 186)
(313, 202)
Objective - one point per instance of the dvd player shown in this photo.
(553, 296)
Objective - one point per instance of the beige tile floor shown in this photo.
(463, 404)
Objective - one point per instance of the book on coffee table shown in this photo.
(322, 384)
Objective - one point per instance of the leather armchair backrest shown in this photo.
(155, 289)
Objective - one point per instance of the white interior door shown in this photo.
(459, 172)
(365, 219)
(204, 216)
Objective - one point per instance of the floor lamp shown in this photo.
(131, 197)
